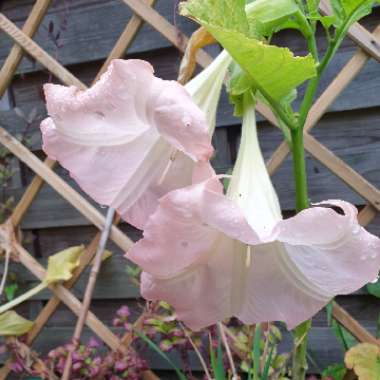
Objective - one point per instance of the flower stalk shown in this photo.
(23, 297)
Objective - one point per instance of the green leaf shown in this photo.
(270, 16)
(312, 6)
(228, 14)
(361, 6)
(217, 361)
(10, 291)
(345, 338)
(62, 264)
(274, 71)
(256, 352)
(161, 353)
(328, 21)
(364, 359)
(12, 324)
(350, 11)
(338, 9)
(267, 365)
(374, 289)
(334, 372)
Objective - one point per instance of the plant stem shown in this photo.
(23, 297)
(228, 351)
(89, 290)
(302, 202)
(299, 367)
(299, 168)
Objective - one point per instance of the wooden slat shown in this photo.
(343, 171)
(121, 45)
(54, 302)
(353, 326)
(124, 40)
(37, 53)
(61, 187)
(68, 299)
(172, 34)
(30, 27)
(366, 215)
(96, 325)
(29, 195)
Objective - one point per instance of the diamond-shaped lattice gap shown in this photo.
(354, 136)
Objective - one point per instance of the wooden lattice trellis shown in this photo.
(369, 47)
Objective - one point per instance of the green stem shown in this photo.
(312, 86)
(299, 367)
(299, 167)
(288, 120)
(23, 297)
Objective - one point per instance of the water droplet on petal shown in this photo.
(363, 257)
(185, 244)
(103, 206)
(186, 120)
(374, 281)
(99, 115)
(374, 255)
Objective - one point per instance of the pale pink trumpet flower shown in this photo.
(120, 138)
(205, 91)
(214, 256)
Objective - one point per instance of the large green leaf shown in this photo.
(228, 14)
(62, 264)
(12, 324)
(269, 16)
(364, 359)
(274, 71)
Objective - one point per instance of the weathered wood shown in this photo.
(37, 52)
(30, 27)
(124, 41)
(93, 26)
(352, 325)
(343, 171)
(360, 94)
(165, 28)
(60, 186)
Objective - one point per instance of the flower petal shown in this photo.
(250, 186)
(109, 138)
(181, 122)
(333, 251)
(194, 216)
(273, 291)
(182, 171)
(112, 175)
(205, 88)
(176, 216)
(201, 296)
(112, 112)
